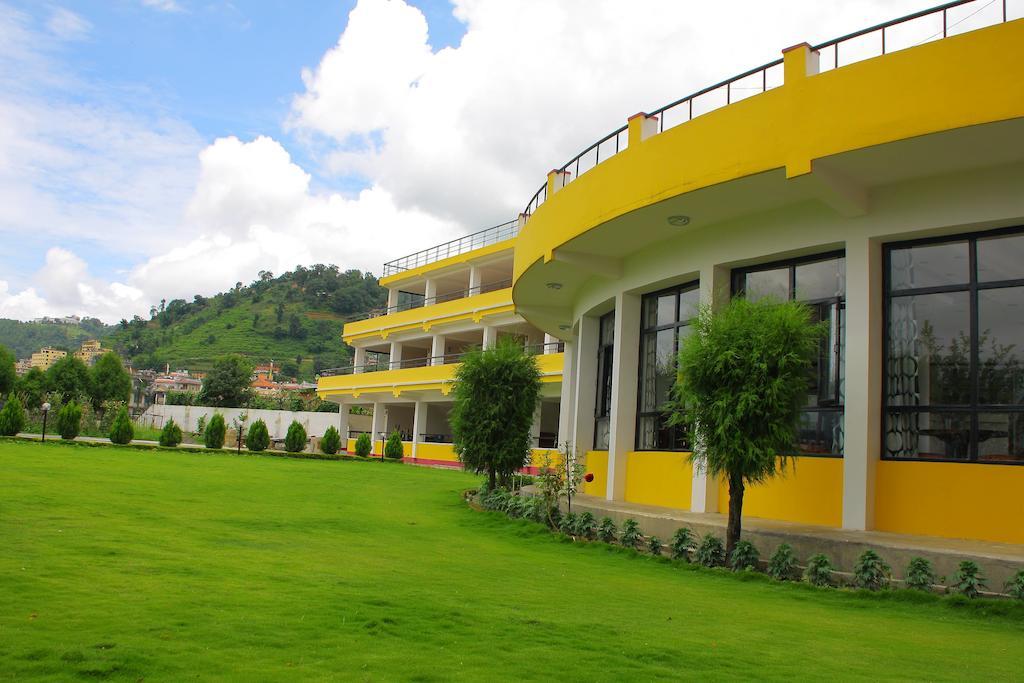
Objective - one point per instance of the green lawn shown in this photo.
(139, 565)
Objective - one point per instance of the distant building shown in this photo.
(45, 357)
(90, 351)
(180, 381)
(23, 365)
(265, 371)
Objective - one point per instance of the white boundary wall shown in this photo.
(277, 420)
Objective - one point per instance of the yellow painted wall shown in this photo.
(415, 273)
(659, 478)
(469, 308)
(597, 463)
(810, 492)
(902, 95)
(953, 500)
(436, 451)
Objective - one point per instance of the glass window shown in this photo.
(605, 356)
(821, 283)
(666, 321)
(954, 387)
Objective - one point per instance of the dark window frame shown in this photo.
(738, 288)
(974, 408)
(605, 363)
(677, 431)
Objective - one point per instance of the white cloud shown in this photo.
(66, 25)
(163, 5)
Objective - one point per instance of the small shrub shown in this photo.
(12, 417)
(586, 526)
(515, 507)
(121, 430)
(201, 426)
(331, 443)
(607, 531)
(567, 525)
(968, 579)
(630, 536)
(870, 572)
(363, 445)
(710, 552)
(170, 435)
(295, 439)
(393, 447)
(681, 543)
(534, 509)
(69, 421)
(744, 556)
(213, 436)
(654, 545)
(258, 438)
(819, 571)
(782, 565)
(920, 575)
(1015, 586)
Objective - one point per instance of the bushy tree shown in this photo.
(363, 445)
(170, 435)
(31, 387)
(393, 447)
(741, 383)
(122, 431)
(69, 421)
(70, 379)
(496, 393)
(8, 376)
(110, 381)
(213, 436)
(331, 443)
(227, 384)
(258, 438)
(295, 439)
(12, 417)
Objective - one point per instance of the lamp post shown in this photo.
(46, 411)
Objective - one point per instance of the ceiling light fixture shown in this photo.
(555, 285)
(678, 221)
(563, 328)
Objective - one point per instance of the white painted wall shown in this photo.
(277, 420)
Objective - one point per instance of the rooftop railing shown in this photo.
(476, 240)
(911, 30)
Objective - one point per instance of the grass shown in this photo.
(157, 565)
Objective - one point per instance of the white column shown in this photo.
(625, 369)
(535, 427)
(395, 360)
(430, 291)
(863, 429)
(549, 343)
(714, 290)
(392, 298)
(437, 349)
(490, 336)
(474, 280)
(358, 359)
(565, 407)
(343, 409)
(419, 421)
(377, 424)
(585, 385)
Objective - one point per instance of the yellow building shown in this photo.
(90, 351)
(878, 177)
(45, 357)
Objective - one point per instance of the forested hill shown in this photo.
(25, 338)
(294, 319)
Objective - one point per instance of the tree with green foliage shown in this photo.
(295, 439)
(8, 376)
(122, 431)
(170, 435)
(12, 417)
(331, 443)
(742, 380)
(258, 438)
(363, 445)
(216, 430)
(496, 393)
(227, 384)
(69, 421)
(393, 448)
(70, 379)
(31, 387)
(110, 381)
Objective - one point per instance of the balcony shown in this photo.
(452, 249)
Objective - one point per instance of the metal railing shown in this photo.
(426, 361)
(476, 240)
(542, 349)
(438, 299)
(897, 34)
